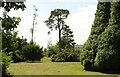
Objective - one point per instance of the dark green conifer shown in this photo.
(108, 56)
(89, 49)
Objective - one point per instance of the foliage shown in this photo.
(32, 52)
(108, 56)
(8, 34)
(0, 38)
(56, 20)
(17, 55)
(13, 44)
(66, 56)
(10, 41)
(89, 49)
(101, 50)
(9, 23)
(15, 5)
(68, 52)
(6, 60)
(52, 50)
(67, 40)
(21, 43)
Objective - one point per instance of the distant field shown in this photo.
(51, 68)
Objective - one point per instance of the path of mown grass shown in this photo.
(50, 68)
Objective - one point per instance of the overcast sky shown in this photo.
(80, 20)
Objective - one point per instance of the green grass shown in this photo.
(46, 67)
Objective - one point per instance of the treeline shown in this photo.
(14, 48)
(64, 50)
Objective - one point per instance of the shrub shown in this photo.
(87, 59)
(52, 50)
(6, 60)
(32, 52)
(66, 56)
(59, 57)
(17, 56)
(107, 61)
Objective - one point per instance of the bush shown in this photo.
(87, 59)
(52, 50)
(17, 56)
(59, 57)
(6, 60)
(66, 56)
(107, 61)
(32, 52)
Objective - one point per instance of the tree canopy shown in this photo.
(56, 20)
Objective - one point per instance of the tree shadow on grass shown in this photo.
(33, 62)
(111, 72)
(108, 72)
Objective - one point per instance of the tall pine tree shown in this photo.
(108, 56)
(89, 49)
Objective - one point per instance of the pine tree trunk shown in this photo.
(59, 40)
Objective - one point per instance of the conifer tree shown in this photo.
(56, 20)
(108, 56)
(89, 49)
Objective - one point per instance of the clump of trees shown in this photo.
(14, 48)
(66, 42)
(101, 51)
(9, 41)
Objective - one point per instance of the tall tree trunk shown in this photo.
(33, 30)
(59, 40)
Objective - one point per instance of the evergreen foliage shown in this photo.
(101, 51)
(32, 52)
(89, 49)
(108, 56)
(67, 38)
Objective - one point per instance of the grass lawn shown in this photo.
(50, 68)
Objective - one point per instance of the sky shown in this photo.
(80, 19)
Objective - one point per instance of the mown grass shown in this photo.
(46, 67)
